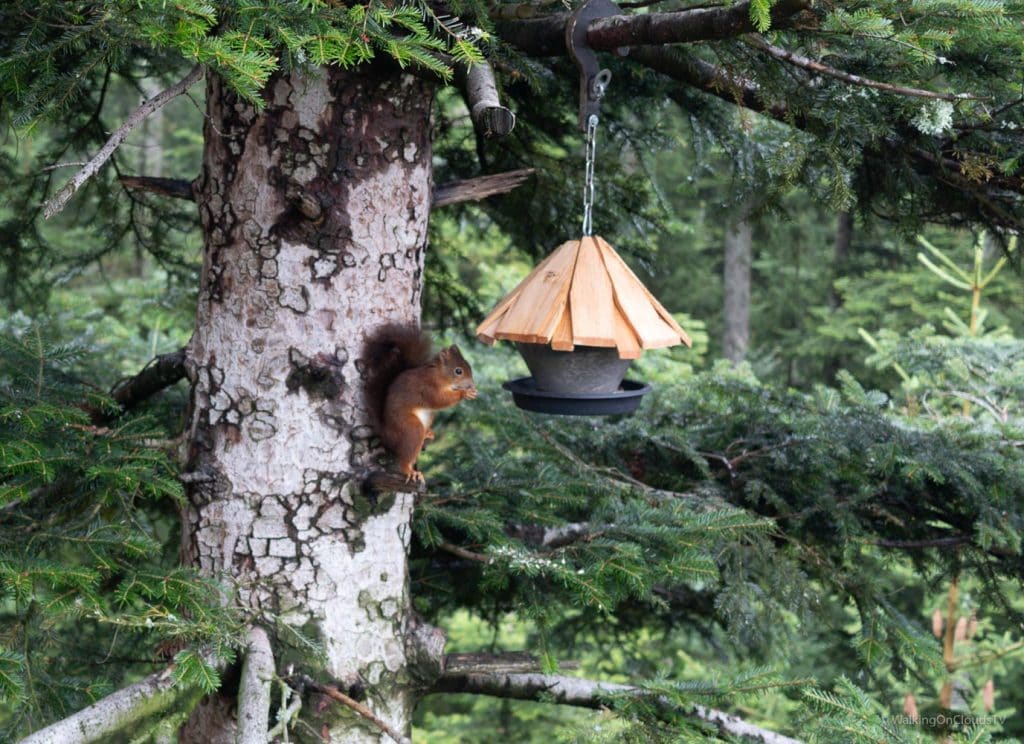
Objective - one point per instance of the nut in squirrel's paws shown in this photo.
(470, 394)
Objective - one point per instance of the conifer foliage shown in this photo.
(86, 511)
(740, 530)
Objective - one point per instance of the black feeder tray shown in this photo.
(578, 320)
(622, 401)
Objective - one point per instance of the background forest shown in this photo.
(841, 451)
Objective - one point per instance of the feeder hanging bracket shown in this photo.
(593, 79)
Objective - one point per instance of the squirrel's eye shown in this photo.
(458, 370)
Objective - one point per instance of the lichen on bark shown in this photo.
(314, 213)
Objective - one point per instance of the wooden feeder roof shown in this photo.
(585, 294)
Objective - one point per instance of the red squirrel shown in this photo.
(407, 385)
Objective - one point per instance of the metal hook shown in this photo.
(593, 80)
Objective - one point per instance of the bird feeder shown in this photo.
(581, 316)
(579, 319)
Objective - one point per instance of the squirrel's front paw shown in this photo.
(415, 476)
(429, 435)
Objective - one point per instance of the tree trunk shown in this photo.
(314, 212)
(736, 279)
(840, 258)
(841, 254)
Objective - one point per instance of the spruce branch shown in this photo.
(59, 200)
(552, 538)
(587, 693)
(714, 80)
(116, 712)
(990, 197)
(616, 478)
(937, 542)
(468, 555)
(807, 63)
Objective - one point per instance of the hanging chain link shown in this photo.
(588, 178)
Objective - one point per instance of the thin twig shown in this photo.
(58, 201)
(335, 694)
(286, 714)
(999, 414)
(994, 656)
(70, 164)
(937, 542)
(814, 66)
(746, 455)
(469, 555)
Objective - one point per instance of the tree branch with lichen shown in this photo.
(58, 201)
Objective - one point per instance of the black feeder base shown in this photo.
(624, 400)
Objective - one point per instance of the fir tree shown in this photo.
(281, 598)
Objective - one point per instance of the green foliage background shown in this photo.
(770, 538)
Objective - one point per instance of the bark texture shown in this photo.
(314, 212)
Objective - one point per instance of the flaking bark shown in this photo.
(314, 213)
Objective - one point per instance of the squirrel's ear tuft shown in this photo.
(453, 349)
(444, 354)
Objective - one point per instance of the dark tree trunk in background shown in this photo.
(840, 257)
(151, 154)
(841, 254)
(736, 282)
(314, 213)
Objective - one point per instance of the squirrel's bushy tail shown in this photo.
(389, 351)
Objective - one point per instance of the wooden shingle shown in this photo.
(583, 294)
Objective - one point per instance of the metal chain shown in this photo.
(588, 178)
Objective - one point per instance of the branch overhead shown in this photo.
(506, 663)
(545, 37)
(806, 63)
(989, 196)
(705, 76)
(701, 24)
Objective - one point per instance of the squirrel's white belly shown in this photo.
(426, 416)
